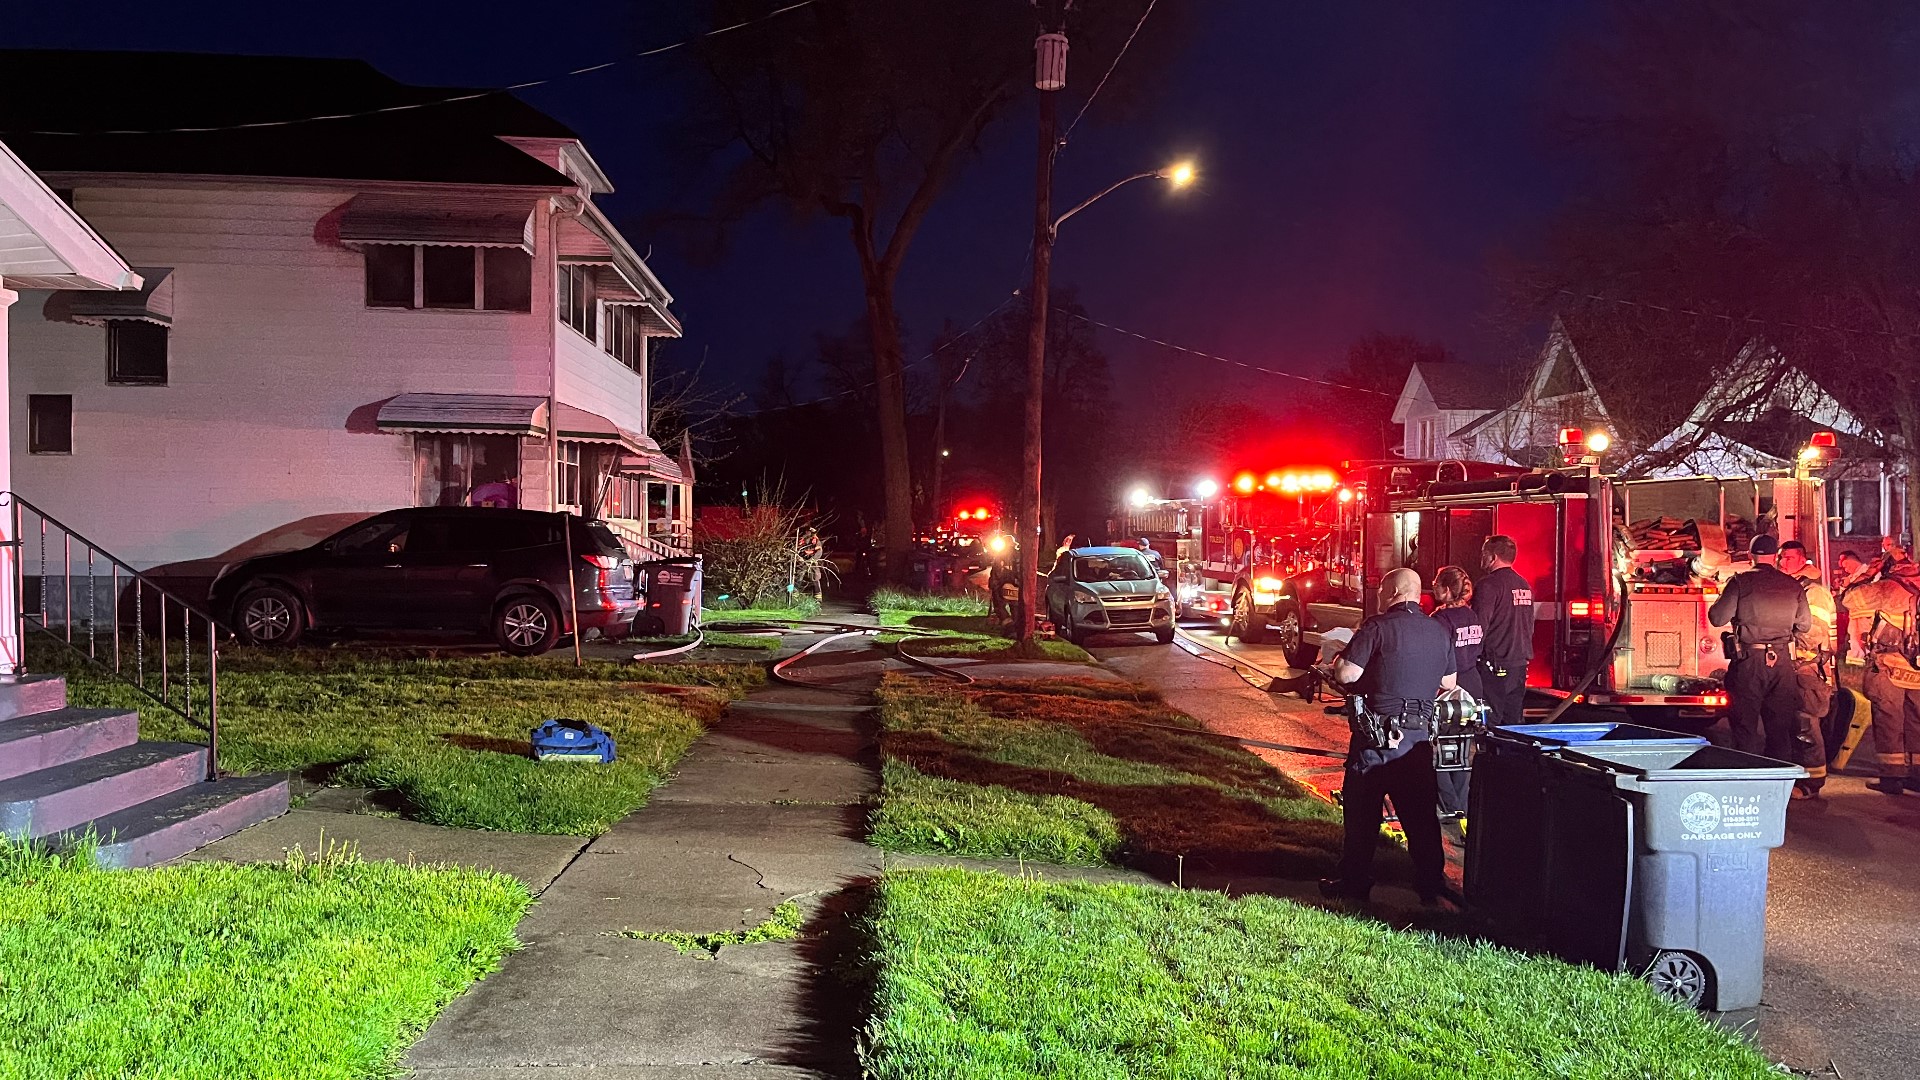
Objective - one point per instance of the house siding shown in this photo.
(590, 379)
(273, 355)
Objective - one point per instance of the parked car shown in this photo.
(1096, 589)
(463, 569)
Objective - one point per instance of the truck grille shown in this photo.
(1138, 616)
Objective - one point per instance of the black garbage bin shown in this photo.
(1674, 851)
(1508, 862)
(672, 596)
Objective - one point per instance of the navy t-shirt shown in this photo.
(1465, 627)
(1405, 655)
(1504, 601)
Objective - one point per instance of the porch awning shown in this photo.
(579, 425)
(471, 221)
(651, 464)
(465, 414)
(152, 302)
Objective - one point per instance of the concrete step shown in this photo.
(43, 740)
(184, 820)
(32, 694)
(56, 799)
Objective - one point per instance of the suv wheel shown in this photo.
(526, 624)
(269, 616)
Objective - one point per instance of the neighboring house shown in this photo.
(1439, 399)
(412, 307)
(1750, 413)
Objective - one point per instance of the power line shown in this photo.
(455, 99)
(871, 383)
(1745, 320)
(1222, 359)
(1088, 104)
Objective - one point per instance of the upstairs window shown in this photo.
(578, 300)
(50, 423)
(449, 277)
(136, 353)
(626, 342)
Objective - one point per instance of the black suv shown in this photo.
(464, 569)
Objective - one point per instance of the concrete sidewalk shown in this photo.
(769, 806)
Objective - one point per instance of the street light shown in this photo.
(1180, 176)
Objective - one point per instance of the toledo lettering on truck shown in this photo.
(1705, 816)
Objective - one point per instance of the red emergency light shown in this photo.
(1825, 440)
(1571, 436)
(1244, 483)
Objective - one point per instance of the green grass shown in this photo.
(897, 601)
(922, 813)
(970, 636)
(783, 925)
(316, 968)
(449, 734)
(984, 976)
(1083, 770)
(801, 606)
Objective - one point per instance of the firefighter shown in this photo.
(1892, 683)
(1768, 610)
(1003, 560)
(1397, 664)
(1452, 590)
(1504, 602)
(1813, 652)
(809, 549)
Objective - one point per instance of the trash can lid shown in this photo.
(1560, 736)
(1691, 763)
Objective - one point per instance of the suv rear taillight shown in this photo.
(603, 565)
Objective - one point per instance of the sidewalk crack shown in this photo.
(762, 882)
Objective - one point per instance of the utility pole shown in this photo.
(1050, 77)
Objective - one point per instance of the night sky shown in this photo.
(1359, 162)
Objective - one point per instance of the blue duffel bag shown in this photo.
(572, 740)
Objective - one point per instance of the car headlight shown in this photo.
(1084, 596)
(1266, 590)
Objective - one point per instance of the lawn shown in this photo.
(885, 602)
(448, 735)
(1063, 770)
(988, 976)
(801, 607)
(318, 968)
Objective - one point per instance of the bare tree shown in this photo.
(865, 111)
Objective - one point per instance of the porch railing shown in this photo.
(139, 632)
(643, 547)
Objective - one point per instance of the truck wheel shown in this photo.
(1247, 624)
(1290, 636)
(1680, 976)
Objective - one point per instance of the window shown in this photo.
(449, 278)
(577, 300)
(570, 474)
(389, 275)
(509, 279)
(446, 278)
(455, 470)
(623, 498)
(626, 341)
(1856, 503)
(386, 536)
(136, 353)
(50, 423)
(1427, 437)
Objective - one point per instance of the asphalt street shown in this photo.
(1843, 920)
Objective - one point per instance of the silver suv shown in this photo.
(1098, 589)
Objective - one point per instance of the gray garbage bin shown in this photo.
(1509, 858)
(1689, 829)
(672, 596)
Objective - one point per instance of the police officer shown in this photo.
(1768, 610)
(1504, 601)
(1400, 660)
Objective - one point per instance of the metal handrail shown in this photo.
(641, 544)
(159, 672)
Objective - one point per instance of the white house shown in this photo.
(1440, 399)
(411, 307)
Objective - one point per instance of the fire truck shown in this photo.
(1623, 572)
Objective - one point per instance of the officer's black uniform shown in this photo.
(1767, 608)
(1405, 654)
(1504, 601)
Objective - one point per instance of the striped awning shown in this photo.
(471, 221)
(152, 302)
(651, 464)
(579, 425)
(470, 414)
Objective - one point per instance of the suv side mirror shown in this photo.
(1166, 574)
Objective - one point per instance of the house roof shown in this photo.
(1463, 386)
(44, 244)
(1780, 433)
(96, 92)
